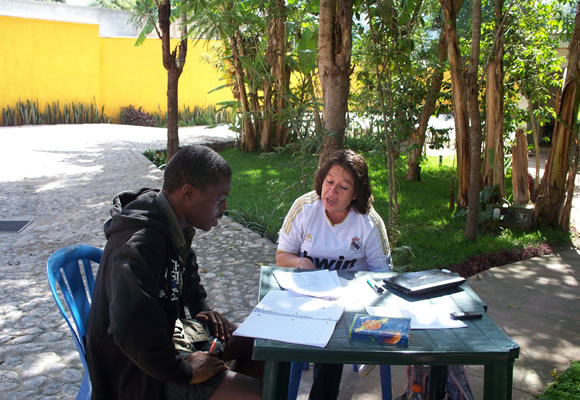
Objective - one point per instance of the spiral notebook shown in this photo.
(291, 318)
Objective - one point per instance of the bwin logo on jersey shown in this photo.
(355, 244)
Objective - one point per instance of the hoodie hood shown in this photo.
(133, 210)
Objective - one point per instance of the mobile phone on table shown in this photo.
(462, 315)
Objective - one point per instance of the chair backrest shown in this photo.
(71, 269)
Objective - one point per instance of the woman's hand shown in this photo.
(305, 263)
(221, 327)
(284, 259)
(204, 365)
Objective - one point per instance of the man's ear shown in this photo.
(189, 192)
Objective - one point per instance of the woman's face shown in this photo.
(337, 193)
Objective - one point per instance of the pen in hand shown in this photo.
(213, 345)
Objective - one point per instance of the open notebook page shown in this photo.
(290, 318)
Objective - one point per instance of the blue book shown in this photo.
(383, 330)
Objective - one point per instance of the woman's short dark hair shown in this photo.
(196, 165)
(357, 166)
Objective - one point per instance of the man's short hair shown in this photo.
(357, 166)
(195, 165)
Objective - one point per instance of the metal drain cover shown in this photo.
(13, 226)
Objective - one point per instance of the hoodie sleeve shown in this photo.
(195, 296)
(140, 323)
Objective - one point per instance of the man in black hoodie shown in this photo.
(148, 279)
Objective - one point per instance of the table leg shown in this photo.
(276, 377)
(437, 382)
(498, 381)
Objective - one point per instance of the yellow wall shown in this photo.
(48, 61)
(52, 60)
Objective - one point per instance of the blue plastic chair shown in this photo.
(296, 369)
(71, 269)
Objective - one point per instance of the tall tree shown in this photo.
(553, 203)
(418, 136)
(256, 57)
(239, 28)
(275, 82)
(389, 81)
(493, 172)
(459, 93)
(334, 68)
(533, 67)
(475, 125)
(158, 15)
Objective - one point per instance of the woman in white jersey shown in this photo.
(335, 227)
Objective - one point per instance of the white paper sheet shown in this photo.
(320, 283)
(423, 315)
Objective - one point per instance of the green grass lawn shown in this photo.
(264, 188)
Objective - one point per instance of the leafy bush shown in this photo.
(131, 116)
(157, 157)
(196, 116)
(203, 116)
(360, 143)
(566, 386)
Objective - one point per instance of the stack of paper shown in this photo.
(291, 318)
(320, 283)
(423, 316)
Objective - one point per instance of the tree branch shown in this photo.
(150, 17)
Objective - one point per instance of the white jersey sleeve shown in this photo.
(293, 230)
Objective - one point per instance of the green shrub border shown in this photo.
(29, 113)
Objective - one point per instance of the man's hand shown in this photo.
(204, 365)
(221, 327)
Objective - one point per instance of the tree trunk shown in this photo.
(280, 70)
(536, 136)
(173, 61)
(552, 196)
(248, 135)
(564, 214)
(520, 185)
(493, 172)
(275, 84)
(334, 52)
(459, 95)
(172, 113)
(475, 126)
(418, 137)
(267, 116)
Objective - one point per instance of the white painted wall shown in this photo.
(112, 23)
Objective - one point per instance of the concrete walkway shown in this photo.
(62, 178)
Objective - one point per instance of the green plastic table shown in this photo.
(481, 343)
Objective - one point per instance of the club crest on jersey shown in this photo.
(308, 237)
(355, 244)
